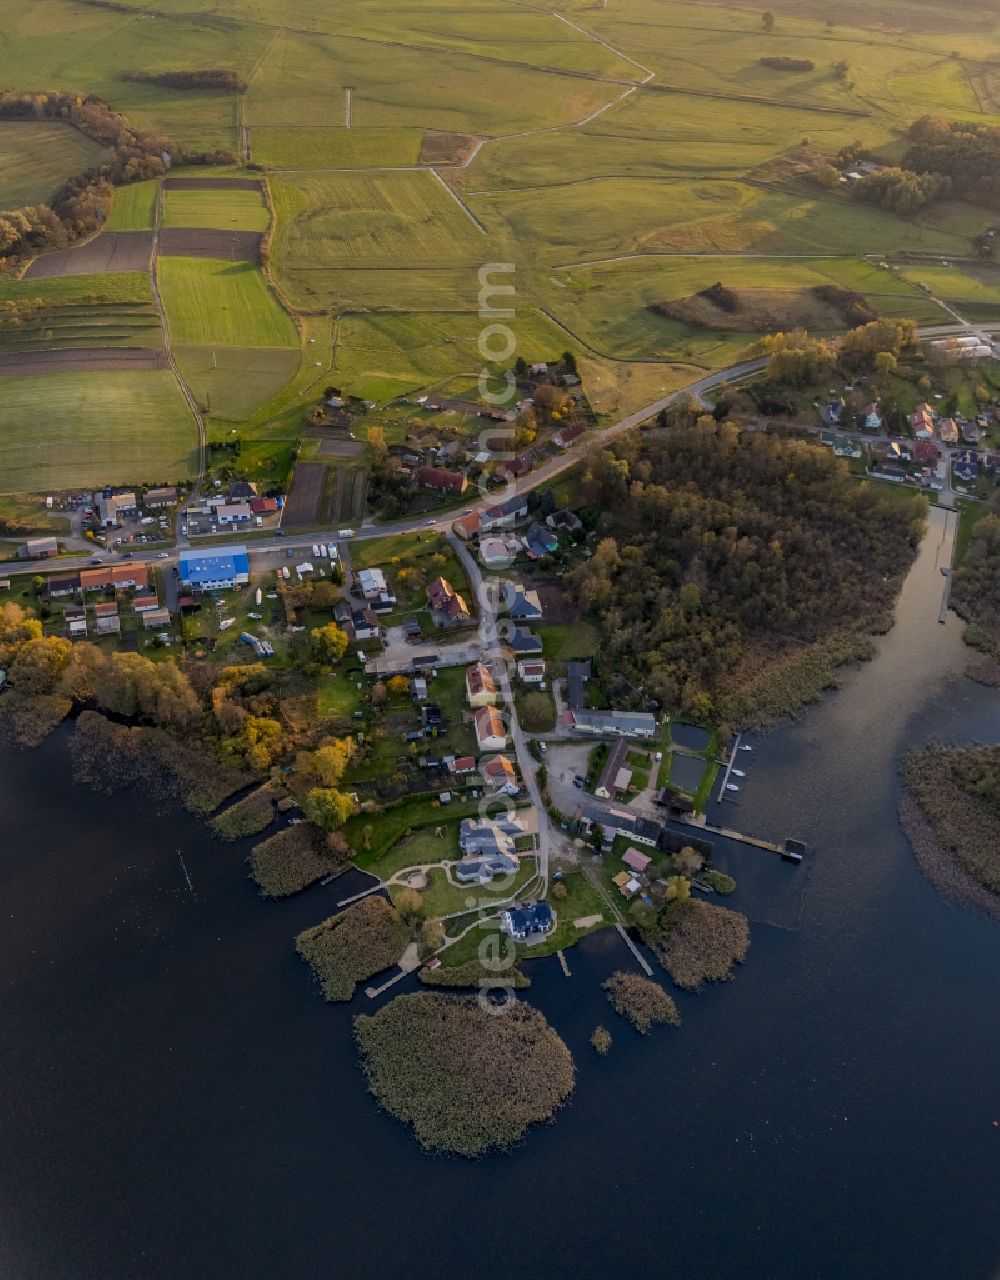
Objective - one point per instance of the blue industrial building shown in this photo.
(214, 570)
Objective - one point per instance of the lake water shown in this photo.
(177, 1100)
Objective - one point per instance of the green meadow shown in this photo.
(36, 157)
(212, 302)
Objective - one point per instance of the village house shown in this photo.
(540, 541)
(64, 584)
(491, 732)
(480, 687)
(948, 431)
(922, 422)
(119, 576)
(565, 437)
(500, 775)
(75, 618)
(371, 583)
(467, 526)
(106, 619)
(503, 515)
(531, 670)
(156, 619)
(143, 603)
(446, 603)
(636, 861)
(483, 870)
(157, 499)
(264, 506)
(364, 625)
(533, 919)
(445, 481)
(627, 885)
(871, 418)
(459, 766)
(615, 776)
(242, 491)
(485, 836)
(564, 520)
(523, 642)
(520, 604)
(38, 549)
(927, 453)
(498, 553)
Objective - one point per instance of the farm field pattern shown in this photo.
(619, 156)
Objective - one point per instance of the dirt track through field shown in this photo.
(200, 242)
(109, 253)
(81, 360)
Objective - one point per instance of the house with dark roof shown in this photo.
(520, 604)
(629, 724)
(565, 520)
(567, 435)
(483, 837)
(540, 541)
(528, 921)
(523, 642)
(364, 625)
(486, 868)
(501, 515)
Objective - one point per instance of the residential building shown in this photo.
(234, 513)
(157, 499)
(502, 515)
(242, 491)
(483, 870)
(531, 670)
(38, 549)
(480, 687)
(491, 732)
(371, 583)
(364, 625)
(523, 642)
(500, 775)
(483, 837)
(447, 603)
(615, 776)
(264, 506)
(112, 508)
(568, 434)
(922, 422)
(948, 431)
(636, 861)
(530, 920)
(215, 570)
(498, 553)
(646, 831)
(121, 577)
(467, 526)
(75, 618)
(629, 724)
(62, 585)
(106, 619)
(457, 766)
(439, 478)
(540, 541)
(872, 418)
(143, 603)
(927, 453)
(156, 619)
(565, 520)
(520, 604)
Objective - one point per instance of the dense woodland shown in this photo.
(720, 545)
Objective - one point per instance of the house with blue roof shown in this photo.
(530, 920)
(215, 569)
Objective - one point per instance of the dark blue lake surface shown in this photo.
(178, 1101)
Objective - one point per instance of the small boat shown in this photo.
(731, 786)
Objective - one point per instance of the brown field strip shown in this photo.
(107, 254)
(306, 494)
(76, 360)
(212, 184)
(200, 242)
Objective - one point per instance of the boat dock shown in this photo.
(640, 958)
(755, 842)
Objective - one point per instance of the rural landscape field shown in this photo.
(624, 156)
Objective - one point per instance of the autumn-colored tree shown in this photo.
(327, 808)
(328, 644)
(330, 761)
(40, 663)
(398, 685)
(17, 627)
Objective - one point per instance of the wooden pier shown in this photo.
(640, 958)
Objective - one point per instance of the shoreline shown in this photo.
(940, 868)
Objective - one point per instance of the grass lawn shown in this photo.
(969, 515)
(337, 694)
(569, 642)
(238, 210)
(37, 156)
(417, 850)
(400, 820)
(133, 207)
(62, 430)
(334, 148)
(211, 302)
